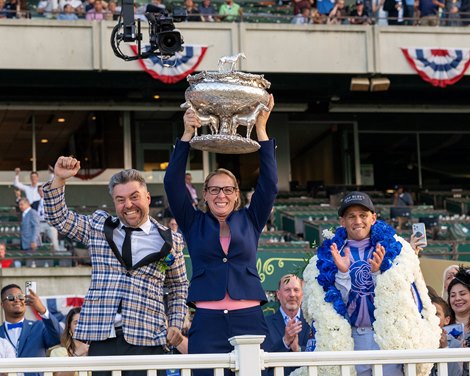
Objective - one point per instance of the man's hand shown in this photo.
(377, 258)
(291, 333)
(341, 262)
(17, 171)
(64, 168)
(34, 301)
(34, 245)
(173, 336)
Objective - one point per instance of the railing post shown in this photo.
(247, 351)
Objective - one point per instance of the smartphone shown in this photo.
(30, 285)
(419, 229)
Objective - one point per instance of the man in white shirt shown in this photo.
(31, 191)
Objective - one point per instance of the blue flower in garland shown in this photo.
(380, 233)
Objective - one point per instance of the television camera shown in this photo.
(164, 39)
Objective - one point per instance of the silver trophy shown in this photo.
(223, 100)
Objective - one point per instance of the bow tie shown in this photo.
(16, 325)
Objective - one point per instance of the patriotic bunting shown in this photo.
(439, 66)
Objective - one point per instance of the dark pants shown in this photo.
(119, 346)
(211, 329)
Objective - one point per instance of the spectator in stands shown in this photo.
(207, 11)
(302, 18)
(359, 15)
(191, 10)
(3, 11)
(452, 12)
(410, 12)
(401, 197)
(112, 13)
(459, 298)
(97, 13)
(299, 5)
(447, 277)
(465, 12)
(77, 6)
(158, 4)
(133, 258)
(288, 330)
(31, 191)
(317, 18)
(67, 15)
(380, 15)
(70, 346)
(447, 340)
(5, 262)
(17, 198)
(45, 228)
(396, 11)
(191, 190)
(225, 286)
(325, 6)
(12, 7)
(338, 14)
(230, 11)
(429, 12)
(30, 226)
(29, 338)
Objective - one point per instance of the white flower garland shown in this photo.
(398, 323)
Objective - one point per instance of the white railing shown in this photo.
(246, 360)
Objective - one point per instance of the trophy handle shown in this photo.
(248, 120)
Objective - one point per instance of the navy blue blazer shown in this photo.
(36, 337)
(214, 272)
(277, 327)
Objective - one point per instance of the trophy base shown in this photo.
(224, 144)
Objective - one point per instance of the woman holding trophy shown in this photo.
(222, 241)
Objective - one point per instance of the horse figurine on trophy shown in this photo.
(224, 100)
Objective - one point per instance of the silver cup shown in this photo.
(223, 100)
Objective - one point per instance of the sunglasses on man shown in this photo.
(12, 298)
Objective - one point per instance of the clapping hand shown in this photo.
(341, 262)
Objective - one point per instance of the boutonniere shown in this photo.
(166, 262)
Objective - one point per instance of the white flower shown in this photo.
(327, 234)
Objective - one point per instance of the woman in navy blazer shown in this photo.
(222, 242)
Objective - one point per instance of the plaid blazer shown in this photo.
(139, 289)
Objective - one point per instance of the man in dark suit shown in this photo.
(288, 330)
(28, 338)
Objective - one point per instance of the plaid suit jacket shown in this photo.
(139, 289)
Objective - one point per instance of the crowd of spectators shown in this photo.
(355, 12)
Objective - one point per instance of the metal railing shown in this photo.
(247, 359)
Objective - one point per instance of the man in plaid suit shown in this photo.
(124, 311)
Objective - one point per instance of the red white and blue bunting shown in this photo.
(439, 66)
(175, 69)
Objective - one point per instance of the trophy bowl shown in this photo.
(223, 101)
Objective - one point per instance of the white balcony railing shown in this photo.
(247, 359)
